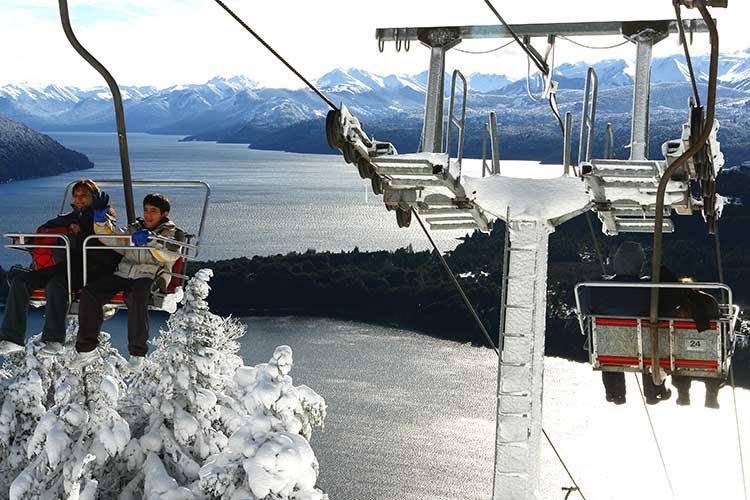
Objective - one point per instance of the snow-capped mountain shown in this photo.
(238, 102)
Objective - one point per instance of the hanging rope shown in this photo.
(594, 47)
(653, 433)
(483, 329)
(464, 51)
(278, 56)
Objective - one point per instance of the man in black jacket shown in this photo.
(627, 264)
(77, 225)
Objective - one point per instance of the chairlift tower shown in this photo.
(458, 193)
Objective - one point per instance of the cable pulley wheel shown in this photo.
(331, 128)
(363, 166)
(403, 217)
(350, 154)
(377, 184)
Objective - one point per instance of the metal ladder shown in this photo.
(515, 412)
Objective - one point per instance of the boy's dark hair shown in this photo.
(157, 200)
(87, 184)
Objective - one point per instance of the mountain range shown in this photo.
(239, 110)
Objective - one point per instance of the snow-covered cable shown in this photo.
(594, 47)
(464, 51)
(653, 433)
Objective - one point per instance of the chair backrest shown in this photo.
(176, 280)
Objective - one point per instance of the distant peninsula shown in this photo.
(26, 154)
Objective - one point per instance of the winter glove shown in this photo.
(100, 203)
(141, 238)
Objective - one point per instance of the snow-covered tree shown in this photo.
(195, 423)
(194, 395)
(66, 428)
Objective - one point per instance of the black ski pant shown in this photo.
(91, 317)
(54, 280)
(614, 385)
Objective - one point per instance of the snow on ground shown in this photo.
(610, 449)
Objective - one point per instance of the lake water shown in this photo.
(262, 202)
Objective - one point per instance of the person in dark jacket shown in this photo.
(701, 308)
(76, 226)
(628, 264)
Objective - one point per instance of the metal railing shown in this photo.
(453, 120)
(588, 117)
(609, 143)
(157, 184)
(490, 132)
(18, 242)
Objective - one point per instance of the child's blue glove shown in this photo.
(100, 204)
(141, 238)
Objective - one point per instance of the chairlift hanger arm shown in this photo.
(117, 100)
(605, 28)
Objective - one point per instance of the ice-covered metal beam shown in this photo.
(543, 30)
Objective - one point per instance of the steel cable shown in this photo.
(464, 51)
(688, 59)
(653, 433)
(739, 435)
(278, 56)
(594, 47)
(473, 311)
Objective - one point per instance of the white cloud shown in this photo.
(180, 41)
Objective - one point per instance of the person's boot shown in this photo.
(712, 399)
(8, 347)
(683, 398)
(662, 394)
(616, 399)
(84, 359)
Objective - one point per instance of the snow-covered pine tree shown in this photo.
(185, 403)
(73, 442)
(271, 420)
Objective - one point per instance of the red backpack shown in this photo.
(47, 257)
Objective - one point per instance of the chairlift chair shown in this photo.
(189, 248)
(614, 317)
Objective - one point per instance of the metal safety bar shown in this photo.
(22, 245)
(183, 249)
(166, 184)
(588, 118)
(458, 122)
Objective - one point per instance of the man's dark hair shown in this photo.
(87, 184)
(157, 200)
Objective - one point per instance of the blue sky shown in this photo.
(165, 42)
